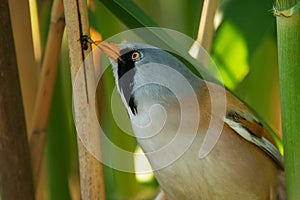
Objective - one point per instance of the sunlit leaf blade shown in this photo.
(129, 13)
(245, 51)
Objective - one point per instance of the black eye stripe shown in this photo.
(126, 74)
(125, 64)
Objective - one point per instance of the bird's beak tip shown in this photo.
(110, 49)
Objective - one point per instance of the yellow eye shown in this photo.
(135, 56)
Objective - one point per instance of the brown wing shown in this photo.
(240, 119)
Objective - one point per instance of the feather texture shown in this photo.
(171, 127)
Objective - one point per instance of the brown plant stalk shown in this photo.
(15, 170)
(91, 169)
(37, 138)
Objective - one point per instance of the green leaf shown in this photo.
(130, 14)
(231, 54)
(244, 49)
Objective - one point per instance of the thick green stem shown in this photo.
(288, 30)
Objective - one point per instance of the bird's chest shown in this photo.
(172, 138)
(172, 146)
(183, 175)
(224, 173)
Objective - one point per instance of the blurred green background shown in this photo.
(244, 49)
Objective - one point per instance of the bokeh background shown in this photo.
(244, 49)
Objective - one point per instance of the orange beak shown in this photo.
(110, 49)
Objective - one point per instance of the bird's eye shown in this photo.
(135, 55)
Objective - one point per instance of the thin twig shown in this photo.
(46, 87)
(206, 29)
(29, 69)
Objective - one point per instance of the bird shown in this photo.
(172, 113)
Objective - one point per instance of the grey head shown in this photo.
(144, 73)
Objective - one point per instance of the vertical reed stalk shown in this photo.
(91, 169)
(15, 171)
(288, 31)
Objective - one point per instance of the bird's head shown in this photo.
(146, 73)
